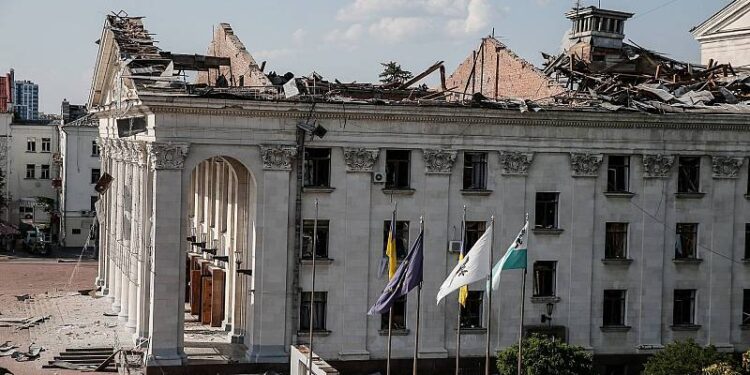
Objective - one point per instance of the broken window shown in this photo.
(94, 148)
(546, 210)
(319, 311)
(688, 177)
(544, 278)
(616, 241)
(686, 242)
(475, 171)
(95, 174)
(471, 314)
(399, 315)
(746, 307)
(321, 244)
(402, 237)
(618, 173)
(46, 145)
(684, 307)
(30, 171)
(31, 145)
(474, 230)
(44, 175)
(397, 169)
(317, 167)
(614, 308)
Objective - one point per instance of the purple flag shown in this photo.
(407, 277)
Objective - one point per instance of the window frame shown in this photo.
(693, 243)
(395, 167)
(617, 172)
(472, 316)
(540, 266)
(46, 145)
(745, 317)
(402, 237)
(315, 165)
(31, 144)
(610, 251)
(42, 170)
(473, 231)
(399, 321)
(475, 171)
(615, 304)
(98, 175)
(541, 215)
(30, 168)
(322, 241)
(747, 241)
(92, 201)
(95, 151)
(691, 299)
(689, 175)
(304, 313)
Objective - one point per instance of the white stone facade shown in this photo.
(725, 36)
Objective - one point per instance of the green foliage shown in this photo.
(686, 358)
(543, 356)
(392, 73)
(721, 368)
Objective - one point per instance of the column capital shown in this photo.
(278, 157)
(657, 165)
(167, 155)
(516, 163)
(138, 152)
(725, 166)
(438, 161)
(585, 164)
(359, 159)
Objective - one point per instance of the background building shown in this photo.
(26, 100)
(6, 92)
(725, 36)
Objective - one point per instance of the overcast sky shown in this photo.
(51, 42)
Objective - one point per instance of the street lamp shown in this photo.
(548, 317)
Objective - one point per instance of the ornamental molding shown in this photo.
(585, 164)
(277, 157)
(139, 152)
(118, 150)
(726, 166)
(167, 155)
(360, 159)
(438, 161)
(657, 165)
(516, 163)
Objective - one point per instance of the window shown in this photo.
(544, 278)
(615, 370)
(546, 210)
(747, 240)
(474, 230)
(688, 175)
(76, 230)
(399, 315)
(94, 148)
(31, 145)
(46, 145)
(26, 210)
(616, 242)
(684, 307)
(471, 314)
(402, 237)
(746, 307)
(95, 174)
(94, 199)
(614, 308)
(618, 173)
(397, 169)
(685, 246)
(318, 167)
(475, 171)
(30, 171)
(319, 311)
(321, 248)
(44, 175)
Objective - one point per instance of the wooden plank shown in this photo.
(217, 303)
(206, 300)
(195, 295)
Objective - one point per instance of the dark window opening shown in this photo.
(688, 177)
(618, 174)
(747, 240)
(616, 370)
(44, 172)
(402, 237)
(94, 148)
(94, 199)
(546, 210)
(471, 314)
(321, 245)
(46, 145)
(544, 278)
(30, 171)
(614, 308)
(76, 231)
(397, 169)
(616, 242)
(31, 145)
(684, 307)
(95, 174)
(475, 171)
(474, 230)
(399, 315)
(686, 243)
(319, 311)
(746, 307)
(318, 167)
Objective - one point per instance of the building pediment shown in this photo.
(732, 19)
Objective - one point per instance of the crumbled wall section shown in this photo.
(244, 71)
(503, 75)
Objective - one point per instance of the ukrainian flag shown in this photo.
(390, 248)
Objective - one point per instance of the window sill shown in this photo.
(473, 331)
(399, 191)
(318, 189)
(619, 194)
(30, 152)
(316, 332)
(614, 328)
(476, 192)
(687, 260)
(550, 231)
(617, 261)
(685, 327)
(546, 299)
(308, 261)
(29, 178)
(394, 332)
(689, 195)
(46, 152)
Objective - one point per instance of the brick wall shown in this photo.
(244, 71)
(500, 74)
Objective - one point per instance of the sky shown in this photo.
(51, 42)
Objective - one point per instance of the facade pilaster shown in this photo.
(116, 245)
(144, 248)
(126, 229)
(137, 150)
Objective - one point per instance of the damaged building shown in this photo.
(638, 200)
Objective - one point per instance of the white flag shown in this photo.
(474, 267)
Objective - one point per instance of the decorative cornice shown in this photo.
(278, 157)
(657, 165)
(585, 164)
(117, 149)
(139, 152)
(360, 159)
(438, 161)
(167, 155)
(726, 166)
(516, 163)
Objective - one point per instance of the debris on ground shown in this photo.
(30, 355)
(23, 297)
(86, 359)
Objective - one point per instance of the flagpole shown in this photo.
(312, 289)
(523, 300)
(489, 301)
(458, 315)
(390, 310)
(419, 307)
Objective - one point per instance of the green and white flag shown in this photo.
(514, 258)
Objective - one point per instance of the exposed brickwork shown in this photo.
(6, 93)
(502, 75)
(244, 71)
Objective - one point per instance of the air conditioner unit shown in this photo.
(454, 247)
(378, 177)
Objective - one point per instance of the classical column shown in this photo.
(167, 307)
(144, 243)
(126, 228)
(136, 218)
(116, 218)
(102, 214)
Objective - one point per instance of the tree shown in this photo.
(544, 356)
(721, 368)
(685, 358)
(392, 73)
